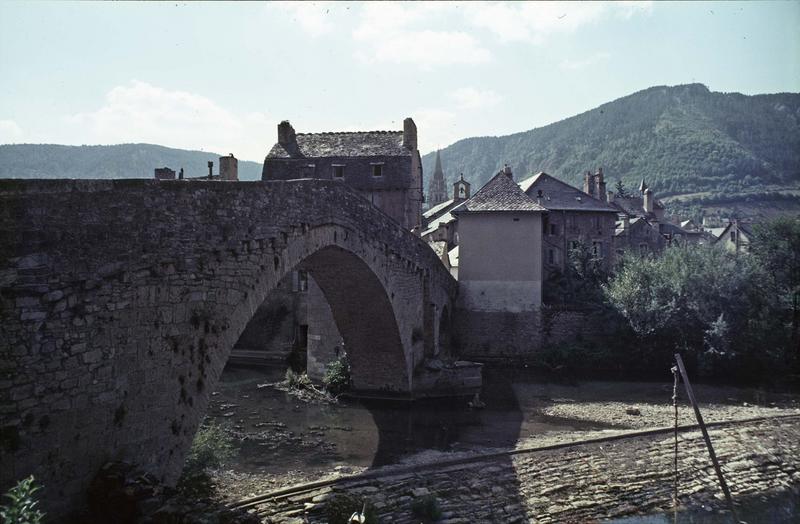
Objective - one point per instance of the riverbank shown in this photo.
(613, 478)
(283, 441)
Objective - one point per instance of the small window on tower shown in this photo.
(377, 169)
(338, 171)
(461, 191)
(302, 281)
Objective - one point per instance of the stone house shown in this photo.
(735, 237)
(641, 226)
(573, 217)
(383, 166)
(638, 235)
(500, 238)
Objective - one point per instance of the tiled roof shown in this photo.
(353, 144)
(437, 209)
(434, 224)
(558, 195)
(500, 193)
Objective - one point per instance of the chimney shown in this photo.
(588, 186)
(228, 167)
(600, 190)
(210, 169)
(648, 200)
(409, 134)
(609, 196)
(626, 224)
(286, 134)
(507, 171)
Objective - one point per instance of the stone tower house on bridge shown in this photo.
(383, 166)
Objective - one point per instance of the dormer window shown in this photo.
(338, 171)
(377, 169)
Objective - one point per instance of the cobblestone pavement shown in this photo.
(577, 483)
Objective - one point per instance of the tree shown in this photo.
(705, 302)
(620, 188)
(776, 245)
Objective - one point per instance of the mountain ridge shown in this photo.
(132, 160)
(682, 139)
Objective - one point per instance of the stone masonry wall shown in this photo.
(502, 335)
(121, 300)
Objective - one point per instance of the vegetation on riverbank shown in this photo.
(731, 316)
(22, 504)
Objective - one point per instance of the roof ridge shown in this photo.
(377, 131)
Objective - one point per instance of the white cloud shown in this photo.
(392, 32)
(472, 98)
(141, 112)
(313, 17)
(436, 128)
(583, 63)
(10, 132)
(536, 21)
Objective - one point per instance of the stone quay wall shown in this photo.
(576, 483)
(120, 301)
(484, 335)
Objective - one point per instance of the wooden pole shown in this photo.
(702, 424)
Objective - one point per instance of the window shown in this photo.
(643, 249)
(733, 236)
(377, 170)
(553, 229)
(574, 244)
(338, 171)
(302, 281)
(552, 256)
(597, 250)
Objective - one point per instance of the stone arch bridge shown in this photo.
(120, 301)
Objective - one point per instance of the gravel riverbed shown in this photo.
(284, 441)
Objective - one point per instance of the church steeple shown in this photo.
(437, 192)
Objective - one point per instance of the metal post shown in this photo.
(675, 448)
(702, 424)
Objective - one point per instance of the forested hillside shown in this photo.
(682, 139)
(117, 161)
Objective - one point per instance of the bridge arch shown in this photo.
(362, 307)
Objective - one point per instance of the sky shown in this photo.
(220, 76)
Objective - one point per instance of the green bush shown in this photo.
(427, 508)
(337, 376)
(340, 507)
(21, 508)
(211, 448)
